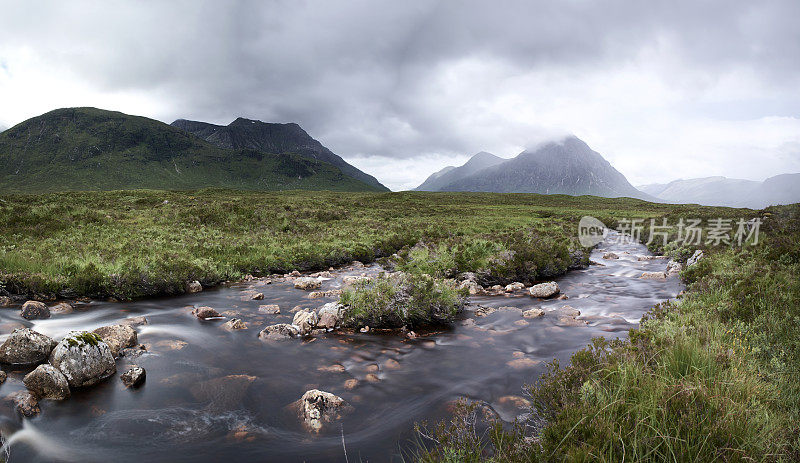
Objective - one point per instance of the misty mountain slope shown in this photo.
(451, 174)
(566, 167)
(272, 138)
(722, 191)
(93, 149)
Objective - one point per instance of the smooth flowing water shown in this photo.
(214, 395)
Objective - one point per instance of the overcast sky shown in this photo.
(662, 89)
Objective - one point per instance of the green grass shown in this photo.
(709, 377)
(131, 244)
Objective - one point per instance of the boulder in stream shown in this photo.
(305, 321)
(83, 358)
(330, 315)
(320, 407)
(134, 377)
(234, 324)
(25, 403)
(544, 290)
(204, 313)
(47, 382)
(61, 308)
(6, 301)
(33, 310)
(533, 313)
(269, 309)
(279, 331)
(117, 337)
(610, 255)
(307, 283)
(26, 347)
(653, 276)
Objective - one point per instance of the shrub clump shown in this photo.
(404, 299)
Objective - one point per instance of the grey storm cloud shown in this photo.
(400, 80)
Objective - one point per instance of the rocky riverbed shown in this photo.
(203, 378)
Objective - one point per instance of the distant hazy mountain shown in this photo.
(272, 138)
(94, 149)
(722, 191)
(451, 174)
(565, 167)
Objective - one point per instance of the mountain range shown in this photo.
(568, 167)
(271, 138)
(722, 191)
(95, 149)
(450, 174)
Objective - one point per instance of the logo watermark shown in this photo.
(688, 232)
(591, 231)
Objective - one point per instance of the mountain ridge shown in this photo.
(730, 192)
(451, 174)
(86, 148)
(568, 166)
(271, 137)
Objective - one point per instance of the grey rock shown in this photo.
(305, 321)
(673, 267)
(118, 337)
(47, 382)
(33, 310)
(26, 347)
(533, 313)
(205, 312)
(278, 332)
(330, 315)
(320, 407)
(134, 377)
(307, 283)
(25, 403)
(695, 258)
(544, 290)
(83, 358)
(194, 287)
(234, 324)
(61, 308)
(653, 276)
(269, 309)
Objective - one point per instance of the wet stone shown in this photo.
(205, 313)
(47, 382)
(269, 309)
(25, 403)
(133, 377)
(26, 347)
(33, 310)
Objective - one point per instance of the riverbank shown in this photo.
(135, 244)
(707, 377)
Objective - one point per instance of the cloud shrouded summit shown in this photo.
(402, 89)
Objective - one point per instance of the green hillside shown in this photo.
(93, 149)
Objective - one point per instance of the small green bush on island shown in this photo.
(410, 300)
